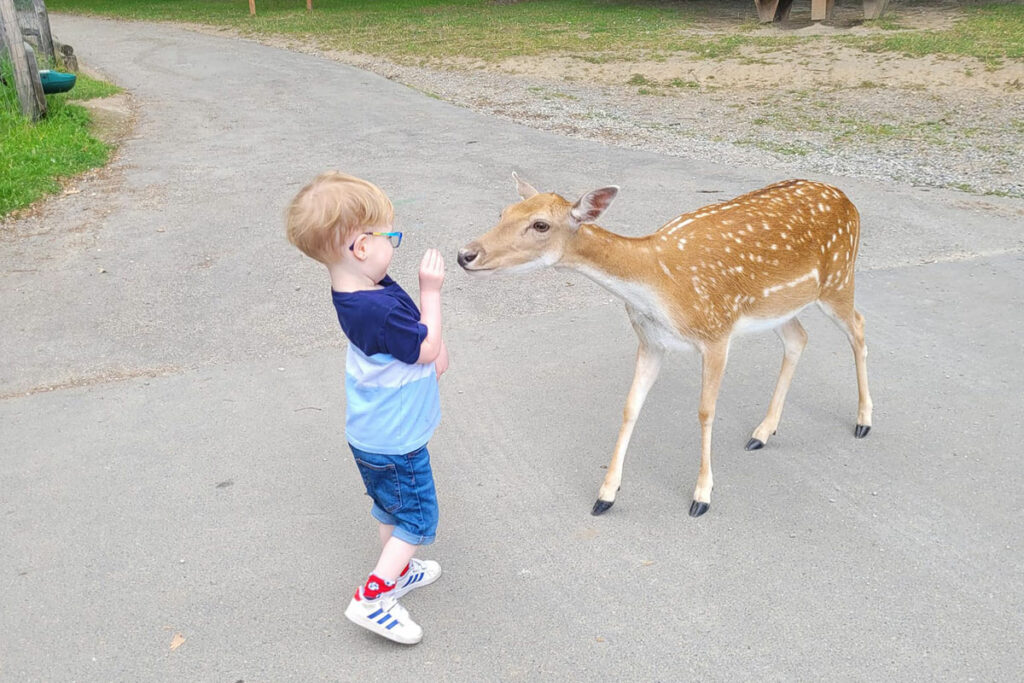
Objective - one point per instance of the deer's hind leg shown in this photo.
(839, 306)
(794, 339)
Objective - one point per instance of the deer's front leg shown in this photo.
(715, 357)
(648, 365)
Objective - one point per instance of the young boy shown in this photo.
(395, 356)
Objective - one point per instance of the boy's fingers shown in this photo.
(433, 263)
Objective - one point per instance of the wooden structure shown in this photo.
(252, 7)
(35, 26)
(23, 61)
(778, 10)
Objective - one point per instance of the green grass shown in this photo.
(478, 29)
(789, 149)
(597, 30)
(426, 28)
(34, 157)
(991, 32)
(89, 88)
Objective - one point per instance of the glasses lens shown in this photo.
(395, 240)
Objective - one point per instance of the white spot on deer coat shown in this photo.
(813, 275)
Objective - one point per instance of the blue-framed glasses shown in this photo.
(394, 237)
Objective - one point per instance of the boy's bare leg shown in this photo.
(393, 558)
(385, 533)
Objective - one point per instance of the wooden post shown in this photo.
(252, 8)
(67, 56)
(38, 94)
(26, 79)
(309, 5)
(773, 10)
(782, 13)
(45, 37)
(821, 9)
(766, 10)
(874, 8)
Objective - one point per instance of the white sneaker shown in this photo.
(421, 573)
(385, 617)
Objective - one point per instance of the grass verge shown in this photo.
(35, 157)
(605, 30)
(990, 32)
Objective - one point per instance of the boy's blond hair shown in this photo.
(333, 209)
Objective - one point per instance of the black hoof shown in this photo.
(861, 431)
(754, 445)
(601, 506)
(697, 508)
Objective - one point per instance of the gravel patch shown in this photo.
(969, 140)
(938, 121)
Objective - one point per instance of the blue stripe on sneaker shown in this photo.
(384, 618)
(375, 614)
(392, 625)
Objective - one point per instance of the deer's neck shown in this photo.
(642, 271)
(610, 259)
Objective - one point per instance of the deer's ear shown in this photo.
(590, 206)
(525, 189)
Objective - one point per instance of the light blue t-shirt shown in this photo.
(393, 405)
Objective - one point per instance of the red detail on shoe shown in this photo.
(376, 587)
(404, 571)
(357, 597)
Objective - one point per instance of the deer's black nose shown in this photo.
(467, 256)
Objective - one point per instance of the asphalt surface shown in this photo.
(171, 416)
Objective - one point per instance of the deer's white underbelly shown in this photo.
(746, 325)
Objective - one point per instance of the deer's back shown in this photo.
(761, 255)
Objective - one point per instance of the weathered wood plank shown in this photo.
(874, 8)
(821, 9)
(766, 10)
(45, 36)
(37, 84)
(773, 10)
(782, 13)
(26, 78)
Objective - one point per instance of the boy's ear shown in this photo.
(358, 247)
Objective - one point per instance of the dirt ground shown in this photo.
(825, 64)
(818, 107)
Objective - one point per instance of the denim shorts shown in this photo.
(402, 489)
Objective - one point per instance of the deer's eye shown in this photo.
(540, 226)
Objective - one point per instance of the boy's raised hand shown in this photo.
(431, 271)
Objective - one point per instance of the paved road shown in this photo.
(171, 410)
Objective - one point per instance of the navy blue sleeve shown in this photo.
(402, 334)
